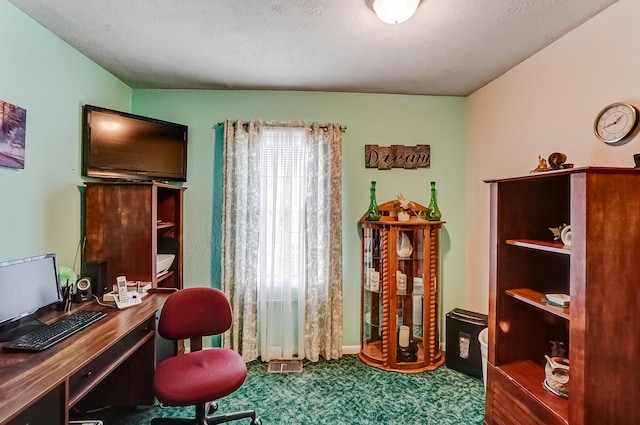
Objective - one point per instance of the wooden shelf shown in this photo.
(164, 277)
(371, 351)
(534, 298)
(529, 376)
(164, 225)
(541, 245)
(372, 348)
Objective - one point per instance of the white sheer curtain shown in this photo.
(282, 247)
(281, 263)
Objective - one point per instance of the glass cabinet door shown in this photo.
(409, 279)
(371, 308)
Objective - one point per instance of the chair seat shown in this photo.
(199, 377)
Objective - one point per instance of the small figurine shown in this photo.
(557, 161)
(557, 376)
(542, 165)
(557, 370)
(557, 231)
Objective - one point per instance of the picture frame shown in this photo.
(13, 128)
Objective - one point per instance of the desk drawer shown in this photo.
(46, 411)
(91, 375)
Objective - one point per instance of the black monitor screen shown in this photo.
(27, 285)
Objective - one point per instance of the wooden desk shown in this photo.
(109, 363)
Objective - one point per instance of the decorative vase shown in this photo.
(403, 246)
(434, 213)
(403, 216)
(372, 214)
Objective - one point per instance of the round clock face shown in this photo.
(615, 122)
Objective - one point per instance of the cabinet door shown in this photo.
(409, 296)
(372, 320)
(120, 229)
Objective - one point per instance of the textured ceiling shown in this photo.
(449, 47)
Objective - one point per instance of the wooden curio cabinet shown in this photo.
(599, 270)
(127, 224)
(400, 293)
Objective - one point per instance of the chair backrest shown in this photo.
(194, 312)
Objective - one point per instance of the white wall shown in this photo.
(548, 104)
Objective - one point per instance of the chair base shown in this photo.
(210, 420)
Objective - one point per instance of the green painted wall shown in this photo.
(40, 204)
(371, 119)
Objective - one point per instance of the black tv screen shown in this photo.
(119, 145)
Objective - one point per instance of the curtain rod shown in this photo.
(343, 128)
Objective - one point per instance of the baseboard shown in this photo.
(350, 349)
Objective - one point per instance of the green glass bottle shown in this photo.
(434, 213)
(372, 214)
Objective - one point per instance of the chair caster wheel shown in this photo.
(256, 421)
(211, 407)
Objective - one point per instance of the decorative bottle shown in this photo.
(372, 214)
(434, 213)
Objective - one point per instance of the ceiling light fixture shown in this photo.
(394, 11)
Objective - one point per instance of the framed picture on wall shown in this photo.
(13, 125)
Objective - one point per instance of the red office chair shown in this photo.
(201, 376)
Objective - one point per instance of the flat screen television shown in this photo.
(119, 145)
(27, 285)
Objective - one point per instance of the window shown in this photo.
(283, 181)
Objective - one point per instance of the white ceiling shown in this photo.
(449, 47)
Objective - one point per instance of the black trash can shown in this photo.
(463, 348)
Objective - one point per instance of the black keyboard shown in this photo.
(48, 335)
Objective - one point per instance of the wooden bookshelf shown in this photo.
(599, 271)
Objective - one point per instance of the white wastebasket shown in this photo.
(483, 337)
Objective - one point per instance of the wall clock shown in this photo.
(615, 122)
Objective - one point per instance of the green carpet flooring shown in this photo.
(344, 391)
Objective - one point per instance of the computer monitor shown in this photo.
(27, 285)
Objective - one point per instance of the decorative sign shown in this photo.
(397, 156)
